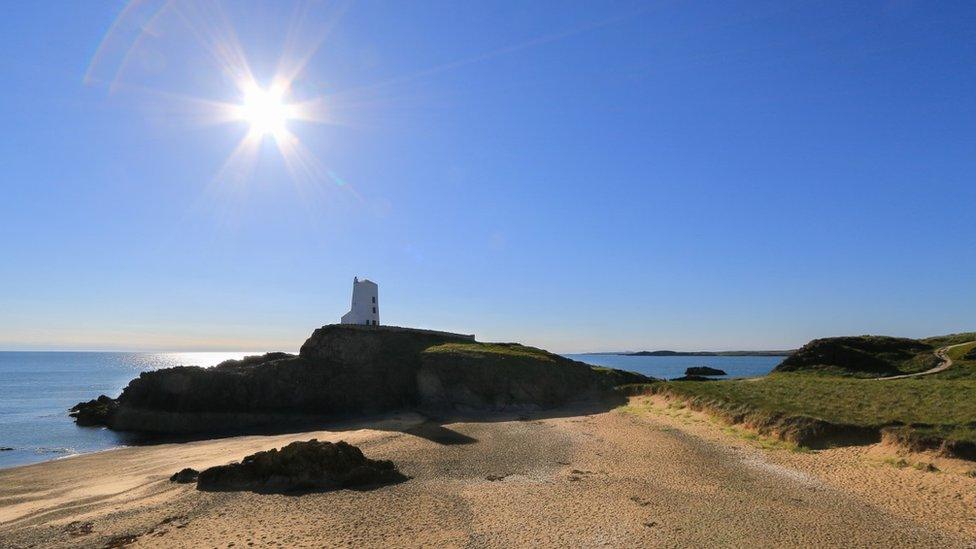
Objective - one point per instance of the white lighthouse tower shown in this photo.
(365, 308)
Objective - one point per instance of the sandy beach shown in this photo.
(647, 474)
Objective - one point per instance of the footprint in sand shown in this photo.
(639, 501)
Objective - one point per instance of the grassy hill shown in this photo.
(821, 396)
(863, 356)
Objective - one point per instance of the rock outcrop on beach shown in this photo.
(348, 370)
(185, 476)
(301, 466)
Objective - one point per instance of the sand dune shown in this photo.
(642, 476)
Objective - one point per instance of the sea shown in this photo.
(37, 388)
(669, 367)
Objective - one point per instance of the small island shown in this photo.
(704, 371)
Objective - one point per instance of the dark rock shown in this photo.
(98, 411)
(971, 355)
(347, 370)
(185, 476)
(341, 370)
(301, 466)
(254, 360)
(6, 449)
(704, 371)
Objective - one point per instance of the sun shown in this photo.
(266, 111)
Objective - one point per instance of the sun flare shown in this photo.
(266, 111)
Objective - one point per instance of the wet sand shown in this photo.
(646, 475)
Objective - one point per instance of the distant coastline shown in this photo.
(695, 353)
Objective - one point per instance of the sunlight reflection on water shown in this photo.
(37, 388)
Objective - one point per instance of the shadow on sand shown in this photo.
(426, 424)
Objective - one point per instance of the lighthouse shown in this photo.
(365, 308)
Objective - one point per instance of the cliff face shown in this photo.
(502, 376)
(345, 370)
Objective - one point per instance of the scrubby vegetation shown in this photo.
(496, 349)
(970, 352)
(963, 363)
(951, 339)
(847, 401)
(616, 378)
(862, 356)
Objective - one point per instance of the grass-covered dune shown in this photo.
(862, 356)
(818, 411)
(823, 398)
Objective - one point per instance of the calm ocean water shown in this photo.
(37, 388)
(668, 367)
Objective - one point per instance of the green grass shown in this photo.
(956, 353)
(961, 368)
(948, 404)
(500, 349)
(951, 339)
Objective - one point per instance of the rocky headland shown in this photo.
(349, 370)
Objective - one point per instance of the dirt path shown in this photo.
(943, 355)
(621, 478)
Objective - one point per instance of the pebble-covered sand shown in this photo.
(649, 475)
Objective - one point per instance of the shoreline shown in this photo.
(564, 477)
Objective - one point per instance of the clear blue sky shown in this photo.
(576, 175)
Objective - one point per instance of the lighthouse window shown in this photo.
(374, 310)
(374, 301)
